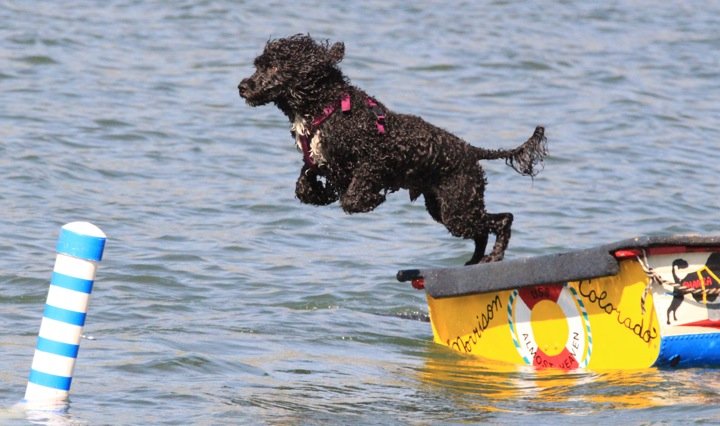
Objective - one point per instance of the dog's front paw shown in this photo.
(309, 189)
(361, 203)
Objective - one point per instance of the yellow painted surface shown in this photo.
(549, 326)
(598, 323)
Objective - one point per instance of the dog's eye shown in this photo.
(265, 66)
(261, 63)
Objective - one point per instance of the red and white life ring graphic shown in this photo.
(578, 344)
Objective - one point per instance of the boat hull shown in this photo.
(652, 305)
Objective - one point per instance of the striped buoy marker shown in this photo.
(79, 248)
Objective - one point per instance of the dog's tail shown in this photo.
(527, 159)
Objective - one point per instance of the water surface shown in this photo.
(223, 300)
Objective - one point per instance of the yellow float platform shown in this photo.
(638, 303)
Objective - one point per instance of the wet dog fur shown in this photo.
(348, 158)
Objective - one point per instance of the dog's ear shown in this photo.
(337, 52)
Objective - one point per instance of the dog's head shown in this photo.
(290, 68)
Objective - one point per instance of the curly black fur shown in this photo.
(360, 165)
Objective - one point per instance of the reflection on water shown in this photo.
(45, 414)
(484, 386)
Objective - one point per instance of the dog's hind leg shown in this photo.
(480, 246)
(433, 207)
(458, 204)
(499, 224)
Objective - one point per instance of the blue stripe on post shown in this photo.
(57, 348)
(82, 246)
(64, 315)
(71, 283)
(50, 380)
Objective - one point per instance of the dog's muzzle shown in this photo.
(245, 87)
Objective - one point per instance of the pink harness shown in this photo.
(330, 110)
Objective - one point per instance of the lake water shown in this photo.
(221, 299)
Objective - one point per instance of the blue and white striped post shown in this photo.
(79, 248)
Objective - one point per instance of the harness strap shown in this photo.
(328, 111)
(317, 121)
(307, 158)
(379, 114)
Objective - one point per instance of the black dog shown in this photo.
(356, 150)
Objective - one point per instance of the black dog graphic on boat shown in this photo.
(696, 283)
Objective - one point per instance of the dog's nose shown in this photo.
(244, 87)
